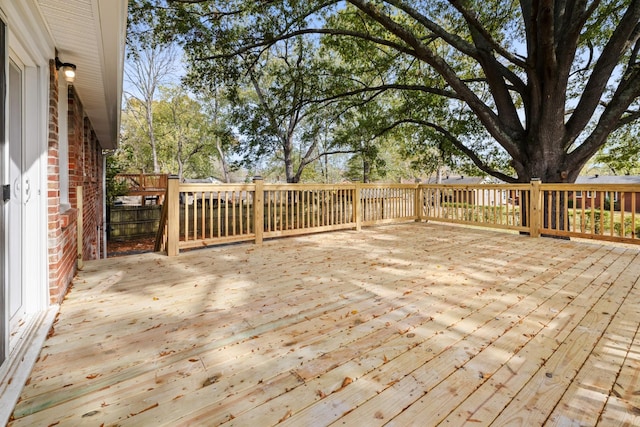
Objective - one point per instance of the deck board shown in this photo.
(407, 324)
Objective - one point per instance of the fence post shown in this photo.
(357, 207)
(173, 215)
(141, 183)
(417, 202)
(258, 209)
(535, 210)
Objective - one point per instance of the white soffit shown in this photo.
(91, 34)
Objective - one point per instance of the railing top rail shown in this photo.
(386, 186)
(634, 188)
(141, 173)
(195, 187)
(138, 182)
(479, 186)
(309, 186)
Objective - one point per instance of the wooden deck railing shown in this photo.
(143, 181)
(144, 184)
(198, 215)
(496, 206)
(603, 212)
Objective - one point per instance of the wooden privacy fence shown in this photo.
(131, 222)
(196, 215)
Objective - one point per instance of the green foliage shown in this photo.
(520, 91)
(114, 188)
(621, 154)
(601, 223)
(274, 112)
(134, 152)
(192, 136)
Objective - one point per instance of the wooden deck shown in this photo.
(410, 324)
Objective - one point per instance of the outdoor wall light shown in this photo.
(67, 69)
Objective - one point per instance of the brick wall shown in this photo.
(91, 182)
(85, 169)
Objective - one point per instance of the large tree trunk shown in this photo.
(366, 170)
(152, 139)
(180, 162)
(223, 161)
(549, 163)
(288, 159)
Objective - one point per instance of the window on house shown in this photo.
(578, 194)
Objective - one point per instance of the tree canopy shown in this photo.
(525, 89)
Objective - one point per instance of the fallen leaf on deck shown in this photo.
(287, 415)
(144, 410)
(211, 380)
(92, 376)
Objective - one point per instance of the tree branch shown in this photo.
(481, 164)
(485, 114)
(625, 33)
(328, 31)
(382, 88)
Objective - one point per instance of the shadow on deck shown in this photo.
(407, 324)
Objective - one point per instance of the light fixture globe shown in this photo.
(67, 69)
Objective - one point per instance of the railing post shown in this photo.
(258, 209)
(173, 215)
(357, 207)
(535, 210)
(417, 202)
(80, 226)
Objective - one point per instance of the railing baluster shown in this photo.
(623, 229)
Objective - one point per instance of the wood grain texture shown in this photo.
(406, 324)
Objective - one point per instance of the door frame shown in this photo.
(4, 66)
(28, 43)
(35, 110)
(23, 44)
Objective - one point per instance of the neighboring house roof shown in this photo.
(91, 34)
(609, 179)
(209, 180)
